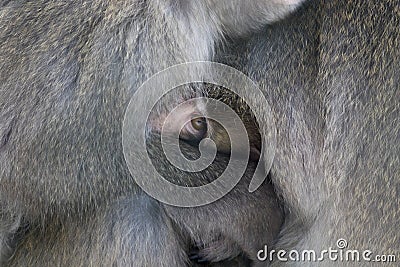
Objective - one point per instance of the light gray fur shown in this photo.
(67, 71)
(331, 76)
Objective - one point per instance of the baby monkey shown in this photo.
(257, 220)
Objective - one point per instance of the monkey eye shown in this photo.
(195, 130)
(199, 124)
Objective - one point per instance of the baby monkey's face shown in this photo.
(187, 122)
(192, 126)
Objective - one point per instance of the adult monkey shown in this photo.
(331, 75)
(68, 70)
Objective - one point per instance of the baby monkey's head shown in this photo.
(191, 124)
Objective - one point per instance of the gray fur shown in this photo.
(331, 76)
(67, 71)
